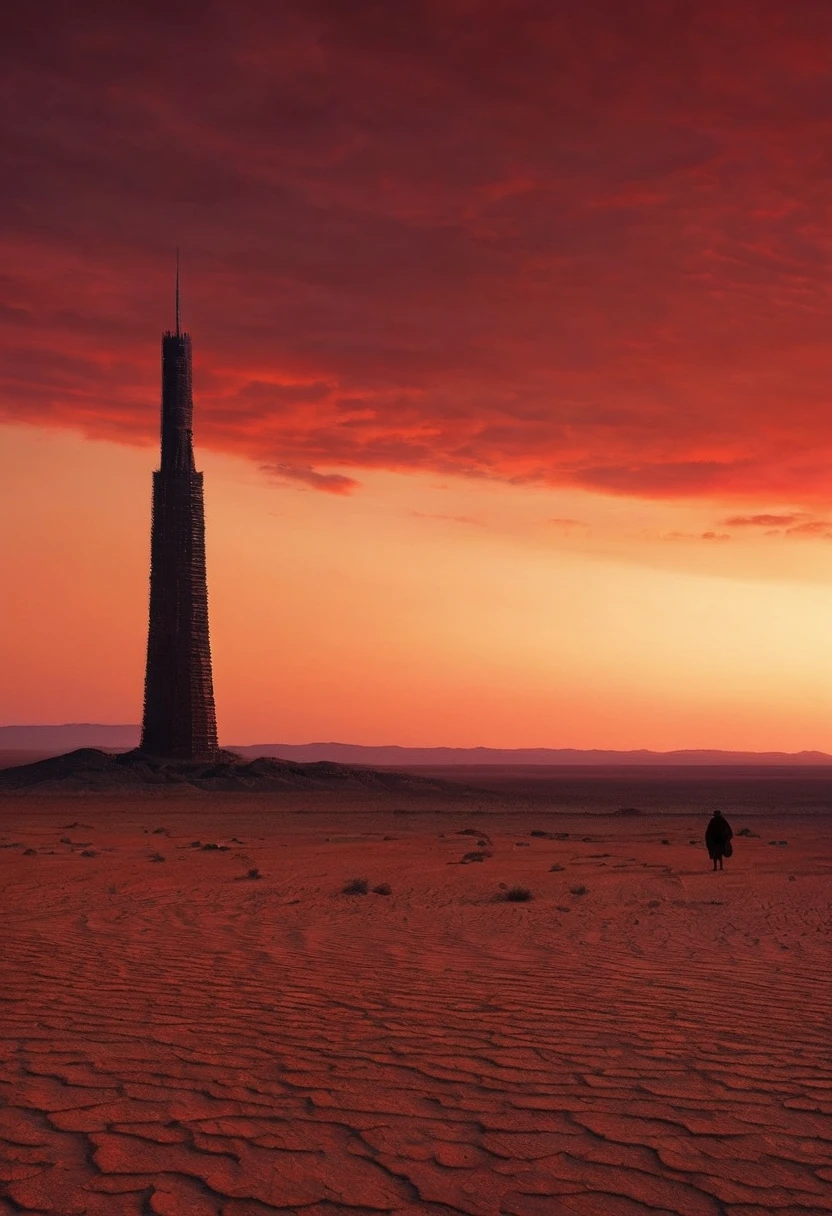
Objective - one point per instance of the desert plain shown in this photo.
(640, 1036)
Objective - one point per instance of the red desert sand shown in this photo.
(642, 1035)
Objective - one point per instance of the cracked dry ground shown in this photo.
(177, 1040)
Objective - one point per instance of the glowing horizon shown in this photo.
(612, 633)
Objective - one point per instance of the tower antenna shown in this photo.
(177, 291)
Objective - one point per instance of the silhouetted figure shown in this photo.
(718, 838)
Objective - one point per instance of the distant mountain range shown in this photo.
(68, 738)
(59, 739)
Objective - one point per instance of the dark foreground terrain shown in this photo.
(195, 1019)
(653, 789)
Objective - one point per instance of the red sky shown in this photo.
(470, 267)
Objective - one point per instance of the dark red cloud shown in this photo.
(566, 243)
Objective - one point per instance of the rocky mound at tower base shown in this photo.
(89, 770)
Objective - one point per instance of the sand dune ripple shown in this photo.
(176, 1041)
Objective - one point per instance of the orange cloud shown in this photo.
(795, 524)
(760, 521)
(811, 527)
(330, 483)
(453, 519)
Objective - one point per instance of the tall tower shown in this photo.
(179, 715)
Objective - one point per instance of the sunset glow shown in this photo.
(513, 363)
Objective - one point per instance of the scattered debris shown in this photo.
(475, 832)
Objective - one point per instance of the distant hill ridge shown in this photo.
(87, 770)
(69, 737)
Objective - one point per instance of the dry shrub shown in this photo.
(356, 886)
(518, 895)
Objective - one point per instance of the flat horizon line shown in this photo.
(25, 738)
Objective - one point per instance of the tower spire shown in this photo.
(180, 720)
(177, 291)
